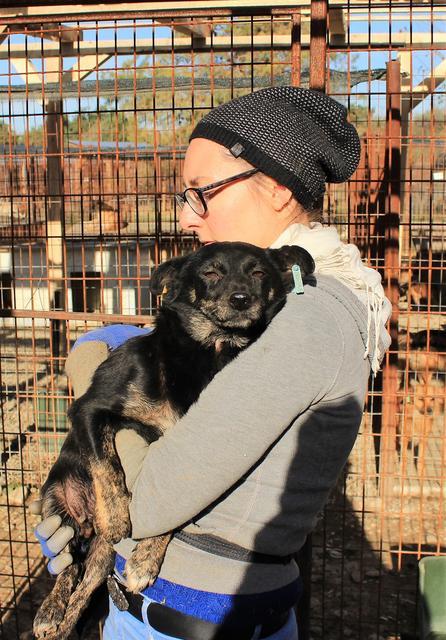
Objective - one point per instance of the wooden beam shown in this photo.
(158, 6)
(27, 70)
(61, 33)
(425, 88)
(80, 70)
(160, 45)
(50, 31)
(405, 58)
(53, 69)
(143, 46)
(86, 65)
(188, 28)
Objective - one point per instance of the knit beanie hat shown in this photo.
(299, 137)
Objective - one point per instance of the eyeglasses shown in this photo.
(194, 197)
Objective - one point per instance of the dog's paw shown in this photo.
(138, 576)
(48, 619)
(53, 610)
(143, 566)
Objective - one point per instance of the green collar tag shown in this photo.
(297, 277)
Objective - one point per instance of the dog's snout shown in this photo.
(239, 300)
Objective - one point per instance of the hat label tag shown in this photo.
(297, 277)
(237, 149)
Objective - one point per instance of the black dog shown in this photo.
(217, 301)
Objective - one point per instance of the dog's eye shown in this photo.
(212, 275)
(258, 274)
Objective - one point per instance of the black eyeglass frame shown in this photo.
(181, 198)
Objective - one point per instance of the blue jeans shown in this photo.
(121, 625)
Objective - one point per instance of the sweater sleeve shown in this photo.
(241, 413)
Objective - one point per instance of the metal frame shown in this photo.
(377, 492)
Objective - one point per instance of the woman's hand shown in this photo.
(53, 539)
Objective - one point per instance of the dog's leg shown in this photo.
(143, 567)
(52, 610)
(111, 519)
(98, 565)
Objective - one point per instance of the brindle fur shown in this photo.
(52, 611)
(146, 385)
(58, 614)
(144, 565)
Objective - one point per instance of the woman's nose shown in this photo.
(187, 218)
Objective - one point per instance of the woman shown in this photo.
(247, 470)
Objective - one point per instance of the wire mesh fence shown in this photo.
(96, 110)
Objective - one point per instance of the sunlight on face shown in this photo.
(238, 211)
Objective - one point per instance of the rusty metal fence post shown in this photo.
(389, 249)
(90, 157)
(318, 44)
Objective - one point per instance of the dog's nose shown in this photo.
(239, 300)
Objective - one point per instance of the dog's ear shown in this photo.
(163, 277)
(287, 256)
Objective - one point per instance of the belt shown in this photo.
(224, 549)
(185, 627)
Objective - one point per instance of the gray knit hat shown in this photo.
(299, 137)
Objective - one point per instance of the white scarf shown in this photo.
(343, 261)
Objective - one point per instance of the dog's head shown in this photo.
(229, 288)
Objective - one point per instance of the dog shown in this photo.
(216, 302)
(424, 285)
(426, 398)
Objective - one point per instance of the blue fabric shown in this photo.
(114, 335)
(121, 625)
(219, 607)
(50, 569)
(43, 544)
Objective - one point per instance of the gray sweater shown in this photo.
(254, 459)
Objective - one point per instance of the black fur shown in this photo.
(215, 302)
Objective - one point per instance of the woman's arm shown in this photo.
(242, 412)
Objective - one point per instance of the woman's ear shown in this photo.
(281, 196)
